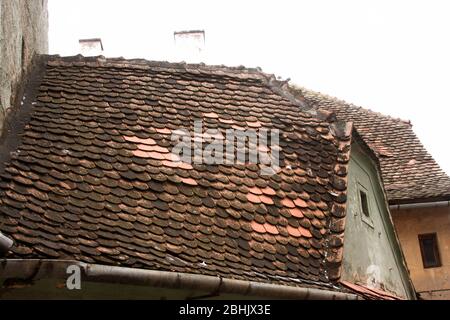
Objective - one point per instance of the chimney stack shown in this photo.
(91, 47)
(190, 45)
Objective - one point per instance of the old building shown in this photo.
(92, 183)
(23, 33)
(87, 182)
(417, 188)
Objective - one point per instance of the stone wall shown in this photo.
(23, 32)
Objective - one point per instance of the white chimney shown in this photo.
(91, 47)
(189, 45)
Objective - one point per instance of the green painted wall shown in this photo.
(372, 255)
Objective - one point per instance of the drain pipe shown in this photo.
(43, 269)
(5, 243)
(421, 205)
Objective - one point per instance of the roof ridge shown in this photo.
(273, 82)
(343, 129)
(182, 65)
(350, 104)
(281, 87)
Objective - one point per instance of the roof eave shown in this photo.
(35, 269)
(419, 200)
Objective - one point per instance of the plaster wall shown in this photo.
(431, 283)
(372, 255)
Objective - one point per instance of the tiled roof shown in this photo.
(409, 172)
(369, 293)
(90, 177)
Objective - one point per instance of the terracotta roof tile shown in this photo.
(409, 172)
(92, 177)
(288, 203)
(370, 293)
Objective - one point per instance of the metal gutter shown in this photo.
(421, 205)
(44, 269)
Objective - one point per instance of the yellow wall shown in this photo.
(432, 283)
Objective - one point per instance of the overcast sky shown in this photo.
(388, 56)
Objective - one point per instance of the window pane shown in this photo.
(364, 203)
(429, 250)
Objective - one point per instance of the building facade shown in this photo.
(24, 29)
(424, 232)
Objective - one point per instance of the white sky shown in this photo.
(390, 56)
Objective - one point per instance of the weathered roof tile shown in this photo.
(409, 172)
(94, 179)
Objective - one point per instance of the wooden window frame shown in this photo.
(437, 255)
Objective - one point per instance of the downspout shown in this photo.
(421, 205)
(44, 269)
